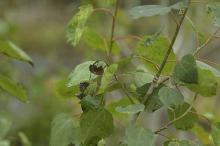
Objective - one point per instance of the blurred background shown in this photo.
(38, 26)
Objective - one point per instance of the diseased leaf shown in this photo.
(95, 125)
(80, 74)
(170, 97)
(185, 122)
(213, 9)
(64, 131)
(153, 10)
(154, 102)
(152, 49)
(130, 109)
(5, 125)
(138, 136)
(216, 133)
(76, 26)
(186, 70)
(13, 51)
(13, 88)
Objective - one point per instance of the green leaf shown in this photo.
(213, 9)
(202, 134)
(142, 76)
(80, 74)
(89, 102)
(13, 51)
(5, 125)
(186, 70)
(205, 66)
(13, 88)
(130, 109)
(153, 10)
(4, 143)
(94, 40)
(76, 26)
(95, 125)
(152, 49)
(180, 143)
(138, 136)
(108, 74)
(216, 133)
(154, 102)
(24, 140)
(64, 131)
(170, 97)
(64, 91)
(187, 121)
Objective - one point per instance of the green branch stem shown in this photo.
(156, 77)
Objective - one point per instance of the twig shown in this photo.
(113, 28)
(178, 118)
(156, 77)
(206, 43)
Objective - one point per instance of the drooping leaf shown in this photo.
(130, 109)
(13, 88)
(170, 97)
(64, 91)
(81, 73)
(154, 102)
(108, 74)
(216, 133)
(64, 131)
(152, 49)
(5, 125)
(179, 143)
(213, 9)
(94, 40)
(13, 51)
(185, 122)
(95, 125)
(153, 10)
(76, 26)
(186, 70)
(138, 136)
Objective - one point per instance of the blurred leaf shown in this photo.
(186, 70)
(153, 10)
(4, 143)
(108, 74)
(81, 73)
(216, 133)
(154, 102)
(89, 103)
(142, 76)
(64, 91)
(138, 136)
(213, 9)
(130, 109)
(76, 26)
(115, 48)
(64, 131)
(25, 141)
(5, 125)
(179, 143)
(203, 65)
(94, 40)
(187, 121)
(153, 49)
(95, 125)
(202, 135)
(11, 50)
(170, 97)
(13, 88)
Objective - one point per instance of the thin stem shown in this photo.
(178, 118)
(156, 77)
(206, 43)
(127, 37)
(113, 28)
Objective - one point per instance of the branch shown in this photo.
(156, 77)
